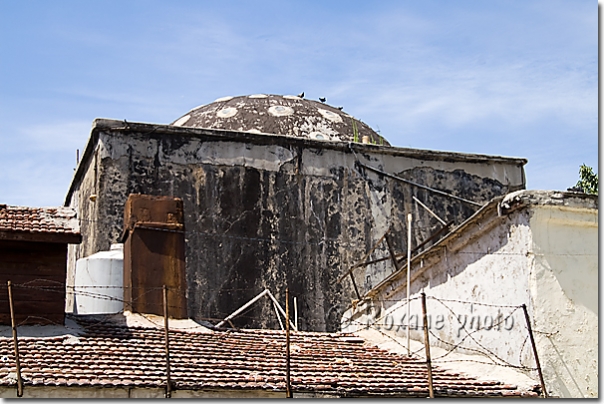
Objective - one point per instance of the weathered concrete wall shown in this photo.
(267, 212)
(564, 294)
(541, 252)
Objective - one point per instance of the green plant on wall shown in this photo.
(355, 131)
(588, 180)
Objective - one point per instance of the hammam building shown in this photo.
(280, 191)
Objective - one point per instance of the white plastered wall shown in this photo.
(564, 292)
(541, 255)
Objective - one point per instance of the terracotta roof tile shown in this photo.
(231, 360)
(38, 220)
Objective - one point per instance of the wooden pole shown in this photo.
(168, 382)
(295, 313)
(427, 345)
(530, 330)
(409, 218)
(15, 341)
(288, 389)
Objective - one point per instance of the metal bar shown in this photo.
(413, 250)
(364, 257)
(432, 237)
(427, 346)
(530, 330)
(409, 218)
(270, 295)
(245, 306)
(392, 254)
(415, 184)
(15, 341)
(288, 388)
(354, 284)
(429, 211)
(168, 383)
(278, 316)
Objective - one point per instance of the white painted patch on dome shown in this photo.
(223, 99)
(292, 97)
(182, 120)
(258, 96)
(319, 136)
(226, 112)
(332, 116)
(280, 110)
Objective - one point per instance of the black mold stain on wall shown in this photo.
(249, 228)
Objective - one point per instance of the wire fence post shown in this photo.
(409, 218)
(15, 341)
(168, 382)
(530, 331)
(427, 345)
(288, 388)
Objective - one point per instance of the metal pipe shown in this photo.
(354, 284)
(15, 341)
(288, 389)
(429, 211)
(413, 251)
(397, 266)
(409, 218)
(278, 316)
(239, 310)
(530, 330)
(427, 346)
(168, 383)
(415, 184)
(364, 257)
(270, 295)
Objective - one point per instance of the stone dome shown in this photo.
(280, 115)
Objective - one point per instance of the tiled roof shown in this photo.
(59, 220)
(105, 354)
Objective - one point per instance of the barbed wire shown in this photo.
(521, 349)
(507, 365)
(367, 326)
(59, 287)
(472, 302)
(109, 319)
(469, 334)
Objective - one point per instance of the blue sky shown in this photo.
(501, 77)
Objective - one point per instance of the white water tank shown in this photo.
(99, 281)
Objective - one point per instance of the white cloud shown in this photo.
(55, 137)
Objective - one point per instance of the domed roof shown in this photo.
(281, 115)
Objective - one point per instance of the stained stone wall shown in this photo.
(274, 211)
